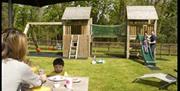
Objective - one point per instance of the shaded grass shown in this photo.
(116, 74)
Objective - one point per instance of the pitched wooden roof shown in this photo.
(76, 13)
(141, 12)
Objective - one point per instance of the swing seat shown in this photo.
(38, 50)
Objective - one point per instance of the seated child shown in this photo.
(58, 65)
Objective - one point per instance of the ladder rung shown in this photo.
(73, 47)
(72, 55)
(74, 41)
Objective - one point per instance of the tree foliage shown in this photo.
(110, 12)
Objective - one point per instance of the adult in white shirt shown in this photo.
(14, 70)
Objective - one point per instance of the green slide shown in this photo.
(148, 57)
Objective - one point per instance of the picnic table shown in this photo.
(82, 85)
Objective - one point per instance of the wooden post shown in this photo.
(94, 47)
(63, 43)
(155, 31)
(26, 28)
(169, 49)
(40, 23)
(64, 30)
(89, 33)
(34, 38)
(90, 49)
(108, 45)
(127, 41)
(47, 41)
(160, 49)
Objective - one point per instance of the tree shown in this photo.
(4, 16)
(106, 12)
(167, 23)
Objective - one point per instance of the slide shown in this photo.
(148, 57)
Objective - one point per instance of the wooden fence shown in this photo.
(166, 49)
(115, 47)
(161, 48)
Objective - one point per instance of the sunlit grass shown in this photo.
(116, 74)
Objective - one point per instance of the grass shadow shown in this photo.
(152, 67)
(137, 59)
(45, 54)
(115, 55)
(162, 59)
(141, 61)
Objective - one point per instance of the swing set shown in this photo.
(34, 38)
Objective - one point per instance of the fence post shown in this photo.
(169, 49)
(160, 49)
(108, 46)
(94, 45)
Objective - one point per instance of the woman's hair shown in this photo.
(14, 44)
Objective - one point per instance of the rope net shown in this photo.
(110, 31)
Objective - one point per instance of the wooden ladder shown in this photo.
(74, 45)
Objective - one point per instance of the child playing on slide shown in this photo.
(145, 42)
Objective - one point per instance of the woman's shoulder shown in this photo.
(16, 65)
(15, 62)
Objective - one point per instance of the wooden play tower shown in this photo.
(139, 19)
(76, 32)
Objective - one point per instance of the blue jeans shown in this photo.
(153, 46)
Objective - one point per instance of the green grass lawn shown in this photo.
(116, 74)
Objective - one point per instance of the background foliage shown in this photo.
(104, 12)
